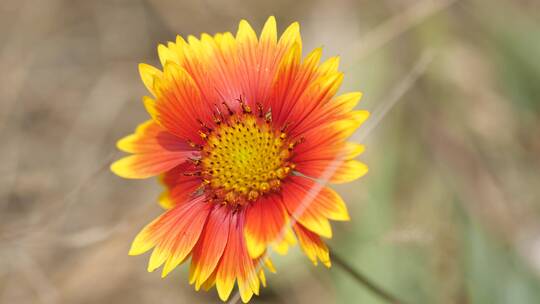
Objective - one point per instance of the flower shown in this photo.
(240, 128)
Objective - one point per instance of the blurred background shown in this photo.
(449, 212)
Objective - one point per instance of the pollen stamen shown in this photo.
(194, 145)
(285, 126)
(260, 109)
(231, 113)
(245, 108)
(204, 126)
(193, 173)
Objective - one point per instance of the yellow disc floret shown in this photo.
(245, 158)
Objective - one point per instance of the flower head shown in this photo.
(241, 128)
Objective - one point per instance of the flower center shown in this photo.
(245, 158)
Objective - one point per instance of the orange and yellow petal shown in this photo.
(312, 205)
(347, 102)
(151, 137)
(265, 222)
(268, 37)
(179, 102)
(165, 200)
(172, 235)
(283, 242)
(210, 247)
(179, 186)
(340, 150)
(236, 265)
(170, 53)
(289, 83)
(148, 75)
(312, 245)
(150, 106)
(338, 108)
(325, 154)
(317, 93)
(148, 164)
(327, 133)
(156, 151)
(304, 88)
(291, 36)
(336, 172)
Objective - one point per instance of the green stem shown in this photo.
(363, 280)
